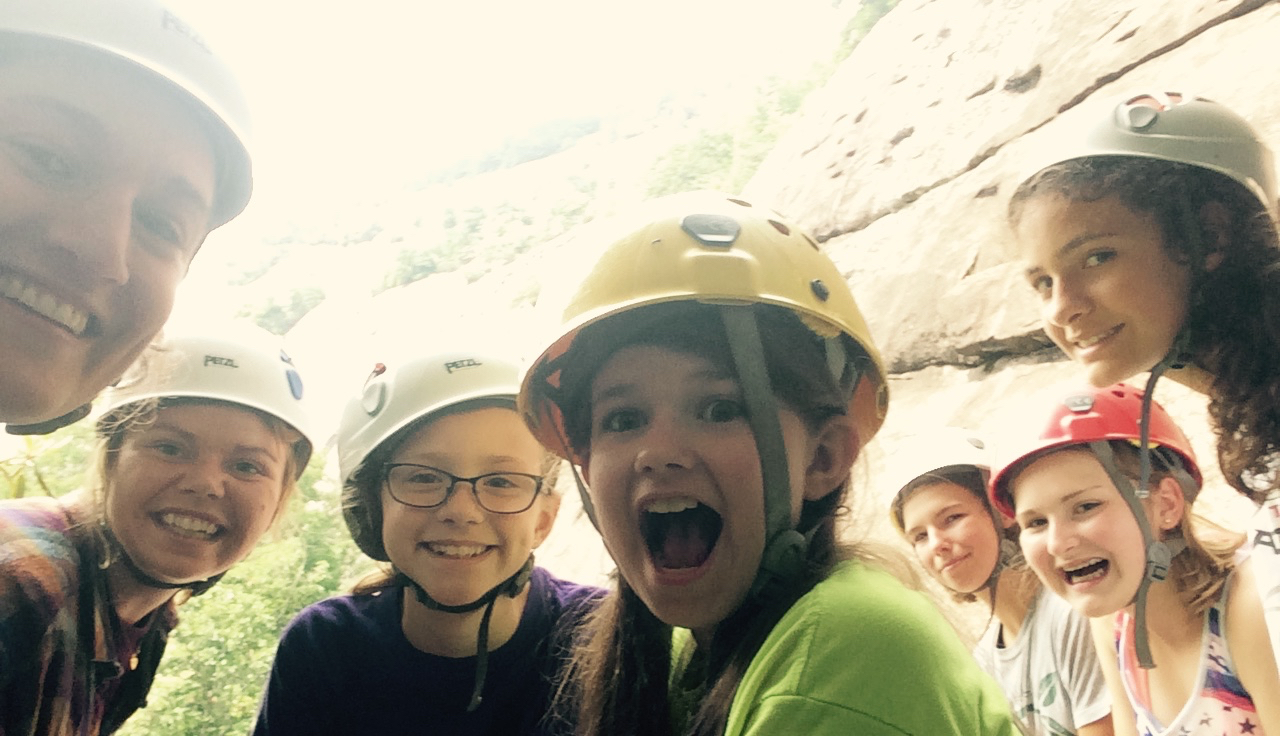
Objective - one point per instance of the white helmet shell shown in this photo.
(932, 455)
(397, 394)
(242, 364)
(1177, 127)
(151, 36)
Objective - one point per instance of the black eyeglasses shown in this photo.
(425, 487)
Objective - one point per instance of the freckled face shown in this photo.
(1111, 296)
(952, 535)
(1078, 534)
(191, 494)
(106, 184)
(675, 478)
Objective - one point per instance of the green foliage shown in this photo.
(278, 317)
(48, 465)
(216, 666)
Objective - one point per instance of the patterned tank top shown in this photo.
(1220, 706)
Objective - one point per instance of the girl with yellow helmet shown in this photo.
(713, 382)
(122, 144)
(1150, 237)
(201, 446)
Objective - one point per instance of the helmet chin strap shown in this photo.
(51, 425)
(118, 551)
(511, 587)
(1159, 552)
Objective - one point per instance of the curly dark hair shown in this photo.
(1233, 321)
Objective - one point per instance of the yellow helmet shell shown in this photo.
(712, 248)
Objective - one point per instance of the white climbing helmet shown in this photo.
(1177, 127)
(151, 36)
(242, 364)
(398, 393)
(935, 455)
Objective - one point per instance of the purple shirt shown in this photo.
(344, 666)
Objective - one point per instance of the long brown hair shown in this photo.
(618, 680)
(1233, 318)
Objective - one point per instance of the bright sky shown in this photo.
(350, 98)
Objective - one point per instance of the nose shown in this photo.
(97, 232)
(1060, 539)
(1067, 303)
(938, 542)
(663, 447)
(205, 476)
(461, 506)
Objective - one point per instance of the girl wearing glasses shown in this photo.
(461, 631)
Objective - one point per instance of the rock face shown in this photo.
(904, 163)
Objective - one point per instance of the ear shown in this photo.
(1167, 505)
(547, 508)
(1216, 219)
(831, 458)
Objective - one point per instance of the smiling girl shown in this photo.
(1151, 240)
(1161, 587)
(201, 447)
(1036, 646)
(121, 147)
(714, 381)
(461, 633)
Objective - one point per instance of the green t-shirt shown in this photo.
(862, 655)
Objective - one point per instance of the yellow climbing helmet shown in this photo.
(712, 248)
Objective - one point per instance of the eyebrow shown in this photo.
(191, 437)
(949, 507)
(180, 186)
(622, 389)
(1071, 245)
(1069, 496)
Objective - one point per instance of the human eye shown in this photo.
(40, 161)
(918, 538)
(1041, 284)
(620, 420)
(1098, 257)
(165, 228)
(165, 447)
(1085, 507)
(951, 519)
(420, 475)
(1032, 523)
(720, 410)
(248, 467)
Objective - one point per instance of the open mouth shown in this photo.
(192, 527)
(45, 304)
(454, 551)
(680, 533)
(1091, 570)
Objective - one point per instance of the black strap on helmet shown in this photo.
(511, 587)
(117, 551)
(52, 425)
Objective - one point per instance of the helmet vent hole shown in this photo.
(740, 202)
(780, 227)
(811, 241)
(820, 289)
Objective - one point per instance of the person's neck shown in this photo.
(1014, 593)
(456, 634)
(1193, 377)
(132, 599)
(1169, 623)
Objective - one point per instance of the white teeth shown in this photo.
(1083, 565)
(1077, 574)
(1090, 342)
(671, 505)
(189, 524)
(457, 550)
(43, 303)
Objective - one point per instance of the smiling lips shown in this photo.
(186, 525)
(455, 550)
(44, 303)
(1089, 342)
(680, 532)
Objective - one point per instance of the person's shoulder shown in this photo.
(342, 614)
(38, 554)
(567, 595)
